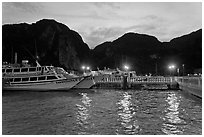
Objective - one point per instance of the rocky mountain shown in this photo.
(51, 42)
(131, 48)
(188, 49)
(146, 54)
(46, 40)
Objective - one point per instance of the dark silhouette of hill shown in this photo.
(129, 48)
(144, 52)
(188, 48)
(54, 43)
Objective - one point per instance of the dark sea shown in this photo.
(101, 112)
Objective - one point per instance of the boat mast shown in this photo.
(36, 56)
(12, 54)
(15, 58)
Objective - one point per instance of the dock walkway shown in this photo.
(136, 82)
(193, 85)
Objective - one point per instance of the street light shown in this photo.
(126, 67)
(178, 71)
(171, 68)
(183, 68)
(88, 68)
(83, 68)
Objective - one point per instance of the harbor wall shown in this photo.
(192, 85)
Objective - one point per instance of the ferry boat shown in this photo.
(39, 78)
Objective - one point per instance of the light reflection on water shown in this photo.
(83, 113)
(103, 112)
(172, 116)
(126, 113)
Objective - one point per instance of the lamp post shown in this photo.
(178, 71)
(126, 67)
(125, 77)
(171, 68)
(83, 68)
(183, 68)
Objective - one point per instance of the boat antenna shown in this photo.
(12, 54)
(36, 52)
(38, 65)
(36, 56)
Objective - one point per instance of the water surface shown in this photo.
(102, 112)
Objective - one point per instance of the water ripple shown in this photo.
(82, 114)
(103, 112)
(173, 122)
(126, 113)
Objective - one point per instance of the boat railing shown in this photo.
(150, 79)
(138, 79)
(111, 79)
(21, 79)
(27, 71)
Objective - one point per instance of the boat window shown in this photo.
(24, 70)
(32, 69)
(42, 69)
(9, 70)
(41, 78)
(25, 79)
(16, 70)
(17, 79)
(45, 68)
(33, 78)
(51, 77)
(10, 79)
(39, 68)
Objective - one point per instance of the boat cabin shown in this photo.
(43, 78)
(26, 70)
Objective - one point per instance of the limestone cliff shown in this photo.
(46, 40)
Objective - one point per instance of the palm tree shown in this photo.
(155, 57)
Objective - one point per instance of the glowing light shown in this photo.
(87, 68)
(126, 67)
(83, 67)
(172, 115)
(172, 67)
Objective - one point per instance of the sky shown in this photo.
(98, 22)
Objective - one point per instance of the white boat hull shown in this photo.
(43, 86)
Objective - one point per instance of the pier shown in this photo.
(192, 85)
(124, 82)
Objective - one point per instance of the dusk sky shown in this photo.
(100, 22)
